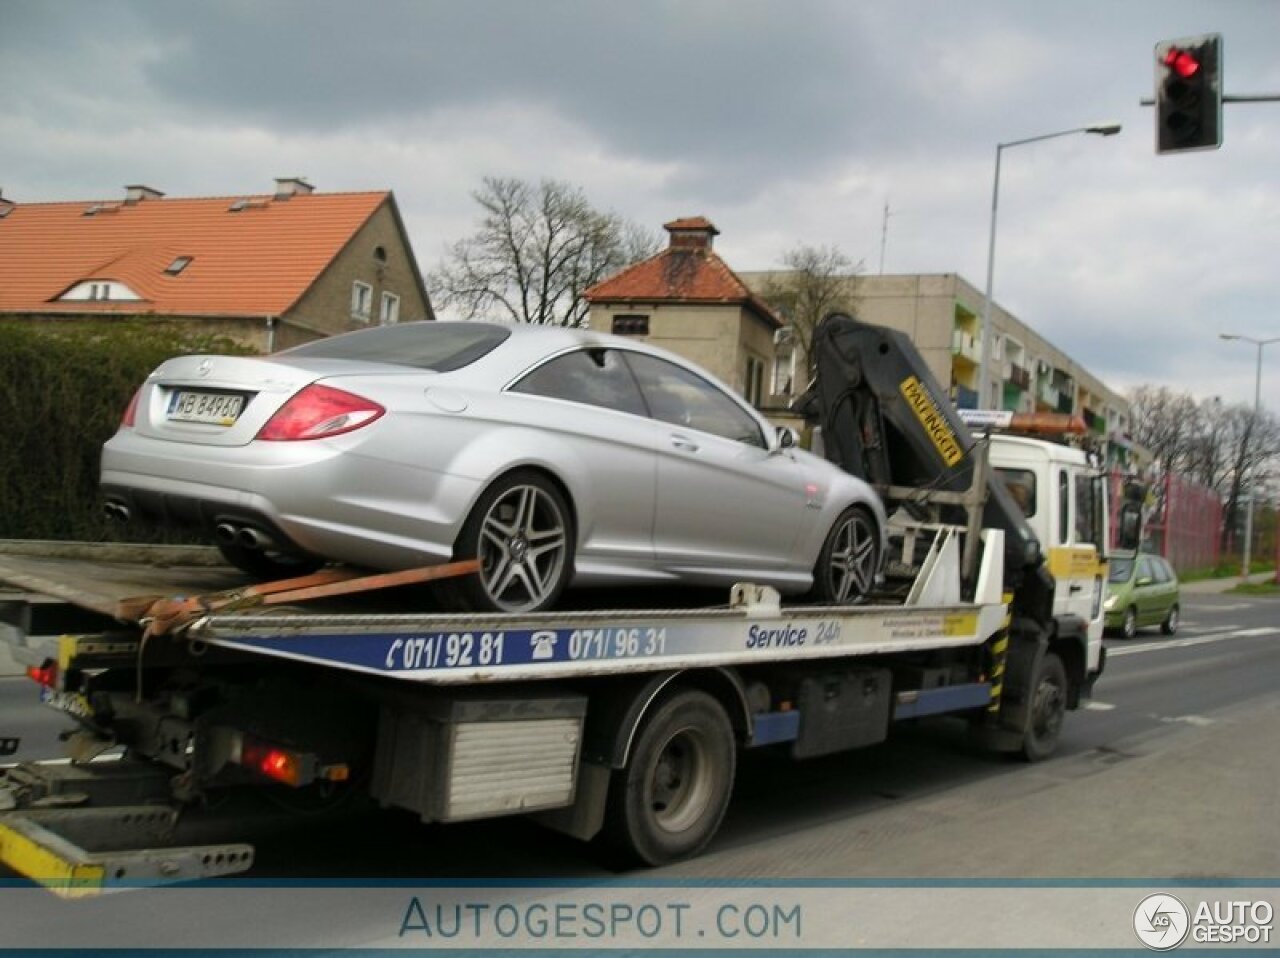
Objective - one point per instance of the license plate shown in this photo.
(220, 409)
(70, 702)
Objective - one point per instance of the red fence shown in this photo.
(1183, 522)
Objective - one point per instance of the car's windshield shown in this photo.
(1120, 570)
(441, 347)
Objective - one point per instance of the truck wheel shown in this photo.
(268, 566)
(1170, 623)
(522, 532)
(846, 569)
(1047, 708)
(1129, 627)
(669, 800)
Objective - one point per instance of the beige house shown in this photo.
(942, 313)
(267, 270)
(687, 299)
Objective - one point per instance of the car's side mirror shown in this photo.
(785, 438)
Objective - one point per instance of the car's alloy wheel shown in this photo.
(521, 531)
(846, 571)
(1129, 628)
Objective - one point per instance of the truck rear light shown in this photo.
(45, 674)
(318, 412)
(285, 765)
(131, 411)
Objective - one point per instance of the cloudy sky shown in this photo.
(783, 121)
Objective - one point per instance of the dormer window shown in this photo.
(99, 290)
(178, 265)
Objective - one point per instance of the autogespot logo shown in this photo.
(1161, 922)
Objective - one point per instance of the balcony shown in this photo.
(964, 397)
(1019, 376)
(966, 346)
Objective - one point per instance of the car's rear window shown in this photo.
(440, 347)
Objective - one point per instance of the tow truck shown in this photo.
(622, 726)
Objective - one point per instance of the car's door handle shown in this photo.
(684, 443)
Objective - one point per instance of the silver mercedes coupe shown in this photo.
(557, 456)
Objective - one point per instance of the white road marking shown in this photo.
(1176, 643)
(1199, 721)
(1093, 706)
(1228, 607)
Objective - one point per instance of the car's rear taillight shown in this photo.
(131, 411)
(318, 412)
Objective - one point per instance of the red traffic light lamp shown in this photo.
(1189, 94)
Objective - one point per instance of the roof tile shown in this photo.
(256, 262)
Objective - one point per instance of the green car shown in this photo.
(1141, 590)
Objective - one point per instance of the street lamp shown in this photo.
(1253, 432)
(984, 361)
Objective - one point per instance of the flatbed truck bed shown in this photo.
(620, 724)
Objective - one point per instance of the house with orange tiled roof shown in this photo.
(687, 299)
(269, 270)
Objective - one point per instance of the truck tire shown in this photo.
(1046, 710)
(850, 557)
(669, 800)
(521, 529)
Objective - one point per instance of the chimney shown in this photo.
(287, 186)
(692, 233)
(137, 193)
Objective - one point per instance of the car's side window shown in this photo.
(680, 397)
(596, 377)
(1144, 570)
(1161, 569)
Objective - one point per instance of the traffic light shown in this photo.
(1189, 94)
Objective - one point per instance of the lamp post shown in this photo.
(1253, 432)
(984, 361)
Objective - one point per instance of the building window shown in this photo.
(361, 301)
(753, 381)
(390, 309)
(178, 265)
(631, 324)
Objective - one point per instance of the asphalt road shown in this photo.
(856, 814)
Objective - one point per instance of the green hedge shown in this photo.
(63, 388)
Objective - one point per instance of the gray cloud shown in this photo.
(785, 122)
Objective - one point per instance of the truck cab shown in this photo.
(1063, 497)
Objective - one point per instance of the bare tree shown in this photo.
(818, 281)
(1222, 447)
(536, 250)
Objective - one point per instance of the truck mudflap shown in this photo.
(52, 832)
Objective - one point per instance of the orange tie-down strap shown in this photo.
(161, 614)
